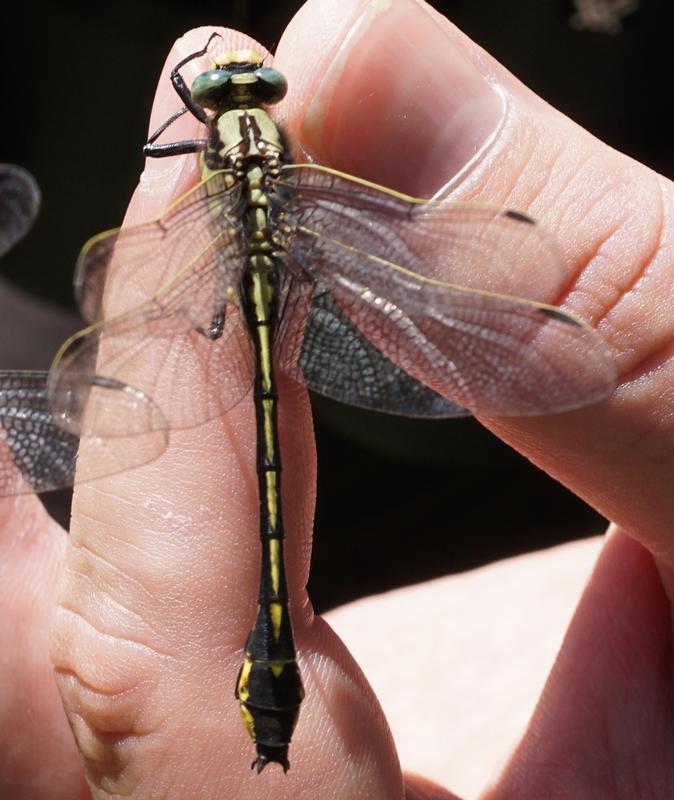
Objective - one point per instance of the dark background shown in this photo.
(398, 500)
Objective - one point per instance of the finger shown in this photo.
(393, 92)
(38, 758)
(385, 93)
(495, 633)
(600, 720)
(161, 591)
(419, 788)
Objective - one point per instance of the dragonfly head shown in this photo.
(238, 80)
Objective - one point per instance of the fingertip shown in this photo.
(165, 179)
(308, 45)
(392, 97)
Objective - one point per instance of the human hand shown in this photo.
(156, 599)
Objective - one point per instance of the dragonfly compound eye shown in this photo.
(271, 85)
(211, 89)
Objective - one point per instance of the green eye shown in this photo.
(272, 86)
(211, 88)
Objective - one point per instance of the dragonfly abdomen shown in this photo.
(269, 687)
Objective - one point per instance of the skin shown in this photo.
(142, 613)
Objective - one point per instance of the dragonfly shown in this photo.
(360, 293)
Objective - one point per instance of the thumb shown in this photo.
(398, 95)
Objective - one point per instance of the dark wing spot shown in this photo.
(519, 216)
(560, 316)
(107, 383)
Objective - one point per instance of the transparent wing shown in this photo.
(319, 346)
(185, 347)
(119, 270)
(19, 204)
(490, 353)
(472, 245)
(37, 454)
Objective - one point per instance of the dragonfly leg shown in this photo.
(166, 124)
(189, 145)
(181, 87)
(174, 148)
(215, 329)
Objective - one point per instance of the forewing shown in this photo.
(491, 353)
(164, 349)
(119, 270)
(472, 245)
(165, 300)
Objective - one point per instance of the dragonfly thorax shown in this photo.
(240, 136)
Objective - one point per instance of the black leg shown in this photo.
(215, 329)
(165, 125)
(174, 148)
(181, 87)
(153, 150)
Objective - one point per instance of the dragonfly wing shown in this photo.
(165, 297)
(119, 270)
(37, 454)
(319, 346)
(170, 348)
(473, 245)
(491, 353)
(19, 204)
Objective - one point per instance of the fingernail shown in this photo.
(401, 103)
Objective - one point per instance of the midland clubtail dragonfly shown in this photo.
(359, 292)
